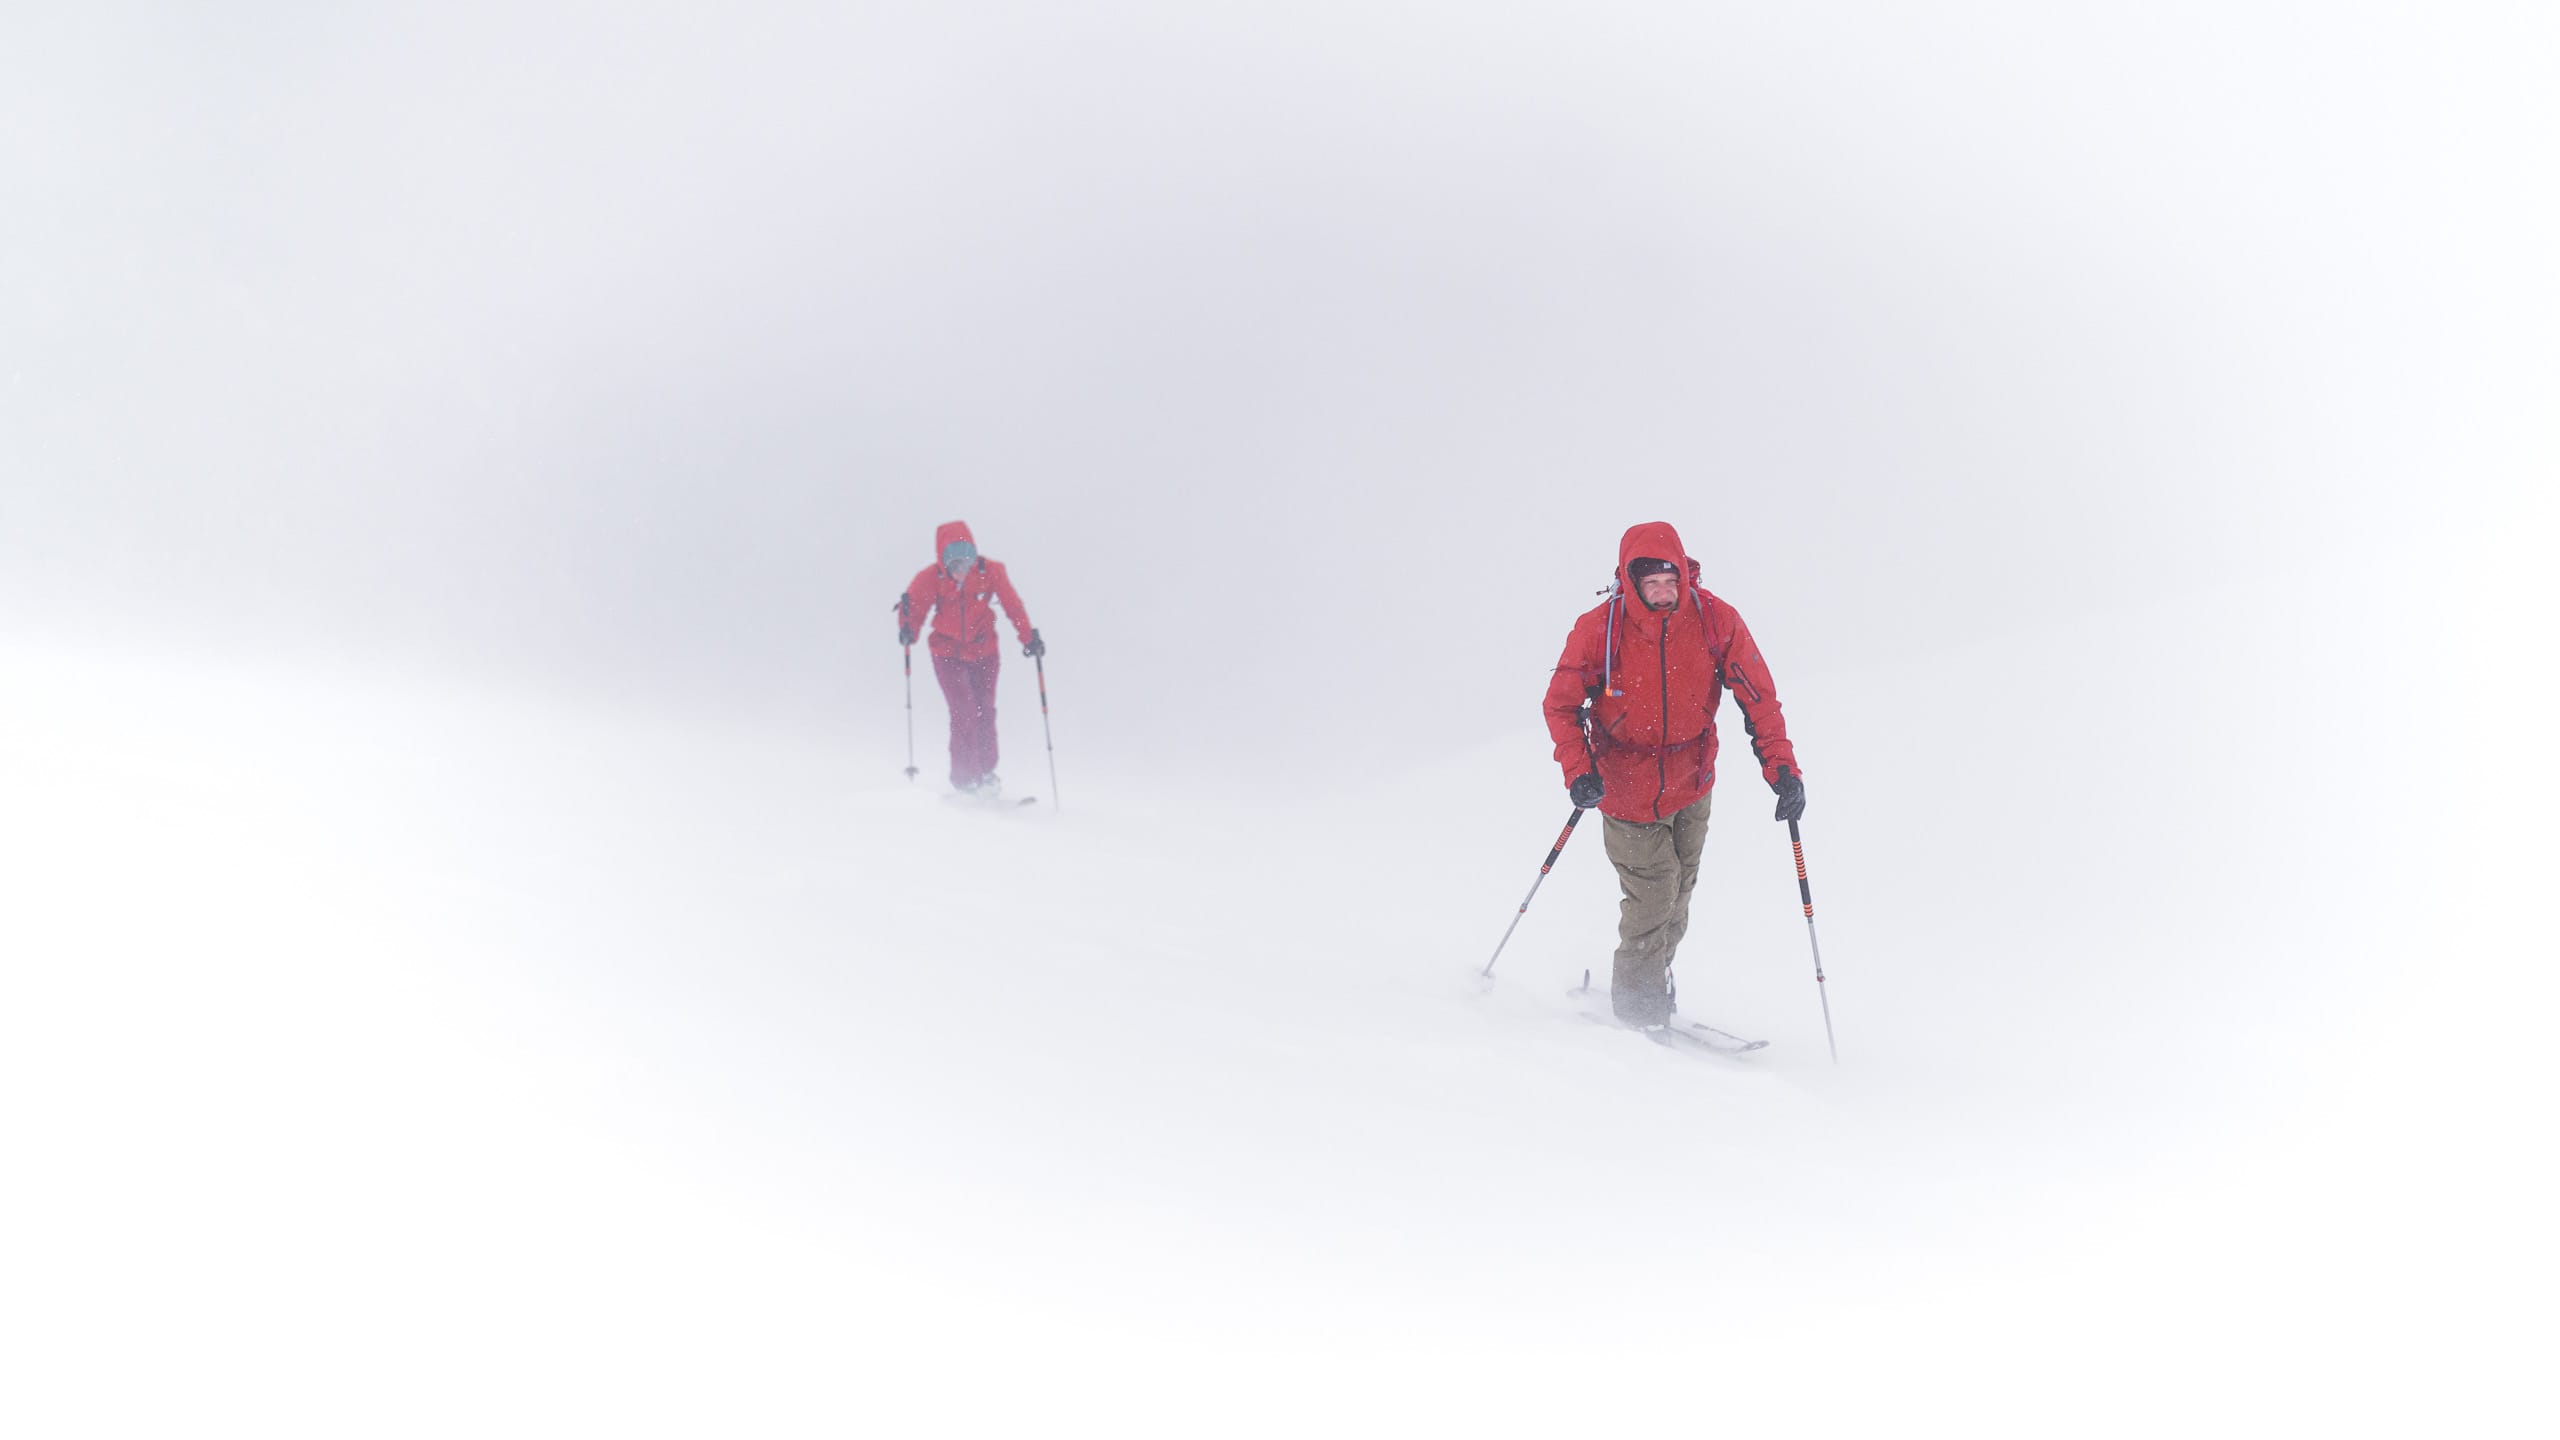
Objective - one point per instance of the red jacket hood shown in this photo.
(949, 531)
(1654, 540)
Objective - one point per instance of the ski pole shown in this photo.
(907, 662)
(1040, 668)
(1570, 821)
(1804, 888)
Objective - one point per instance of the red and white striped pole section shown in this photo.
(1804, 888)
(1570, 821)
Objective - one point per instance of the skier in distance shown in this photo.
(953, 593)
(1632, 708)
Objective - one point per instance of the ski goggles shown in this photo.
(959, 555)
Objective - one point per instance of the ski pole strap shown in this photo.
(1804, 887)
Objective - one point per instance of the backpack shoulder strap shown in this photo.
(1707, 632)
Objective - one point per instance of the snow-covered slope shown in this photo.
(390, 1061)
(2126, 428)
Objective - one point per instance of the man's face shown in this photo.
(1659, 592)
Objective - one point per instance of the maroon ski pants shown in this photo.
(970, 687)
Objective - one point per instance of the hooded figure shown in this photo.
(1644, 752)
(953, 594)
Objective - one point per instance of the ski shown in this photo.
(1707, 1037)
(1679, 1032)
(1685, 1035)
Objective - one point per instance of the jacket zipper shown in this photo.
(1662, 747)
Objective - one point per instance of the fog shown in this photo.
(2128, 431)
(640, 352)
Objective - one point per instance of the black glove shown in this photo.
(1587, 790)
(1790, 790)
(1035, 647)
(906, 635)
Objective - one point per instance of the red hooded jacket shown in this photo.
(1653, 681)
(964, 625)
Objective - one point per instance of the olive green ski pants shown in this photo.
(1657, 868)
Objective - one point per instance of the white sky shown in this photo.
(1288, 353)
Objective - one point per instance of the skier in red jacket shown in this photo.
(1632, 707)
(953, 594)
